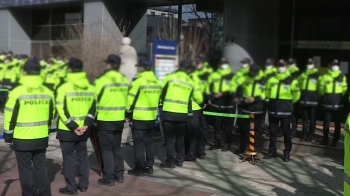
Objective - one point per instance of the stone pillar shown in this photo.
(99, 20)
(15, 31)
(254, 26)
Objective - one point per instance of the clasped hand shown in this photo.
(81, 130)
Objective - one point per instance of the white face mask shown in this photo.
(292, 65)
(224, 66)
(269, 66)
(245, 65)
(20, 61)
(200, 66)
(59, 61)
(335, 68)
(281, 70)
(310, 66)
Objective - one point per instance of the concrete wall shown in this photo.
(254, 26)
(15, 31)
(137, 16)
(98, 20)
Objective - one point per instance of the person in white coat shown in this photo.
(128, 55)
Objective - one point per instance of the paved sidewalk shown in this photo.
(9, 183)
(219, 174)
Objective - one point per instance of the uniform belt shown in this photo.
(281, 113)
(309, 102)
(250, 112)
(333, 106)
(222, 106)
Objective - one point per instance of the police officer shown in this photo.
(220, 99)
(32, 106)
(293, 71)
(333, 86)
(251, 101)
(308, 83)
(75, 104)
(194, 114)
(9, 79)
(111, 91)
(177, 92)
(142, 107)
(203, 73)
(51, 79)
(269, 71)
(282, 91)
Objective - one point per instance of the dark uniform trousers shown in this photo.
(68, 152)
(24, 161)
(143, 142)
(309, 121)
(191, 138)
(285, 125)
(294, 119)
(111, 153)
(3, 98)
(245, 128)
(202, 136)
(178, 128)
(337, 117)
(227, 123)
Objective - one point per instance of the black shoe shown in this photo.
(309, 138)
(324, 142)
(334, 144)
(226, 147)
(270, 155)
(286, 157)
(119, 179)
(201, 156)
(167, 165)
(304, 138)
(149, 170)
(106, 182)
(238, 151)
(215, 147)
(82, 189)
(136, 173)
(65, 191)
(190, 158)
(179, 164)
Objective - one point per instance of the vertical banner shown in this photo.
(165, 57)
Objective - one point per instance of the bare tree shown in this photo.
(191, 44)
(210, 23)
(91, 47)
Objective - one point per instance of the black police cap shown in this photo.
(113, 59)
(186, 64)
(144, 63)
(254, 68)
(75, 64)
(32, 67)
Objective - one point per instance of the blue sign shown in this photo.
(164, 47)
(164, 57)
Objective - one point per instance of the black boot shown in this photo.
(286, 157)
(309, 138)
(324, 142)
(139, 173)
(166, 164)
(239, 151)
(270, 155)
(304, 138)
(106, 182)
(335, 143)
(226, 147)
(217, 145)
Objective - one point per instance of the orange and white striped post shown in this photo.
(251, 153)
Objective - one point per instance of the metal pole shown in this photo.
(179, 22)
(292, 35)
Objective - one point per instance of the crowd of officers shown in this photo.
(40, 90)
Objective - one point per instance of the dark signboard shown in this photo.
(14, 3)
